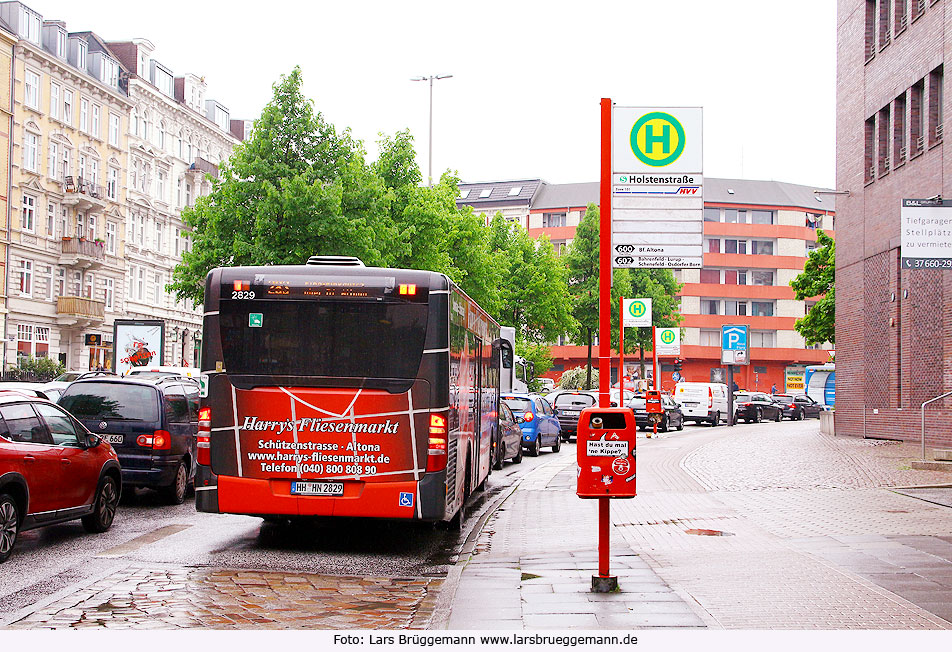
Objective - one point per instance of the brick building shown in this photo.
(756, 238)
(894, 339)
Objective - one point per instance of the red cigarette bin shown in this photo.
(606, 453)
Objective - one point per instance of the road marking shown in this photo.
(134, 544)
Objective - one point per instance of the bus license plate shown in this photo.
(112, 439)
(317, 488)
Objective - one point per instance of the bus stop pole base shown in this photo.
(603, 582)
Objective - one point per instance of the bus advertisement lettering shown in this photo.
(310, 433)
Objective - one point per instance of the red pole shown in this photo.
(605, 260)
(621, 352)
(605, 309)
(654, 373)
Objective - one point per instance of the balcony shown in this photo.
(202, 167)
(79, 312)
(83, 195)
(81, 253)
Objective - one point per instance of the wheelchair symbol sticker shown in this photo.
(406, 499)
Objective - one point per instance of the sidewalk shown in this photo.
(814, 542)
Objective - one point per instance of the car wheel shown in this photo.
(104, 509)
(175, 492)
(681, 424)
(779, 416)
(499, 450)
(758, 415)
(800, 415)
(9, 526)
(663, 426)
(518, 458)
(536, 446)
(557, 446)
(715, 419)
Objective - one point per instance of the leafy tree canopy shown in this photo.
(817, 280)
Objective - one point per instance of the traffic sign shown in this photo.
(636, 312)
(668, 341)
(734, 344)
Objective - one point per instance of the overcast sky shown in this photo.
(528, 76)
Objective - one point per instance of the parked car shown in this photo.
(672, 417)
(548, 384)
(702, 402)
(796, 407)
(754, 407)
(568, 404)
(614, 394)
(538, 422)
(70, 376)
(157, 371)
(152, 424)
(28, 389)
(52, 469)
(508, 445)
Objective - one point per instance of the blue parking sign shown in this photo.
(734, 338)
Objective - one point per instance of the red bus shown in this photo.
(335, 389)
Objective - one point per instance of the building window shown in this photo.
(899, 130)
(84, 114)
(33, 341)
(66, 164)
(160, 185)
(159, 239)
(64, 222)
(710, 338)
(733, 216)
(54, 100)
(870, 35)
(114, 129)
(50, 218)
(31, 90)
(761, 277)
(109, 293)
(762, 217)
(81, 54)
(188, 194)
(158, 291)
(711, 276)
(763, 339)
(112, 184)
(884, 34)
(762, 308)
(761, 247)
(900, 17)
(53, 160)
(60, 282)
(91, 227)
(712, 214)
(31, 144)
(714, 246)
(29, 25)
(882, 145)
(111, 238)
(140, 283)
(26, 278)
(735, 246)
(935, 106)
(139, 229)
(68, 106)
(869, 148)
(710, 306)
(28, 221)
(553, 219)
(95, 128)
(89, 282)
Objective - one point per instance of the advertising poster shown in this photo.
(137, 343)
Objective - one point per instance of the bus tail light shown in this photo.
(436, 452)
(160, 440)
(203, 442)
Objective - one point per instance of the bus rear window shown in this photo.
(344, 339)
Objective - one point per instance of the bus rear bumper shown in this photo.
(396, 500)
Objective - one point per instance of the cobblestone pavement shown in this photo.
(812, 537)
(194, 598)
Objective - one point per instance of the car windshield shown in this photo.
(517, 404)
(111, 401)
(68, 377)
(574, 400)
(637, 404)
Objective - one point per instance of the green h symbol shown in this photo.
(664, 139)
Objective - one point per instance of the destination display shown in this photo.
(290, 286)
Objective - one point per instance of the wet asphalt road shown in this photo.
(58, 558)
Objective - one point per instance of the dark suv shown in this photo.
(51, 470)
(151, 422)
(568, 404)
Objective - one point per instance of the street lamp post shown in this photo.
(430, 79)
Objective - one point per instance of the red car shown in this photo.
(52, 469)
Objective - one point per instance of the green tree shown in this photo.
(583, 267)
(818, 278)
(295, 188)
(533, 288)
(540, 359)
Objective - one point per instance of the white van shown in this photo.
(702, 402)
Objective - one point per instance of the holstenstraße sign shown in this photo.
(652, 140)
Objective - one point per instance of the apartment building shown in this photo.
(177, 139)
(893, 327)
(7, 42)
(757, 235)
(66, 270)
